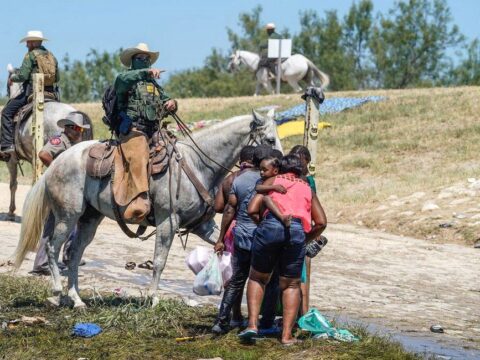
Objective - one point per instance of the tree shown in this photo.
(102, 69)
(75, 84)
(357, 33)
(321, 40)
(468, 72)
(409, 46)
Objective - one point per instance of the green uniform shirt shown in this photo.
(57, 144)
(30, 67)
(126, 81)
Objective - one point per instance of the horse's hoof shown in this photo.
(11, 217)
(80, 306)
(52, 301)
(155, 301)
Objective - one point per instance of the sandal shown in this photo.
(130, 265)
(146, 265)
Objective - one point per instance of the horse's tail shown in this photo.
(35, 211)
(321, 76)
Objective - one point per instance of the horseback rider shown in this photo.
(73, 128)
(37, 60)
(265, 61)
(139, 99)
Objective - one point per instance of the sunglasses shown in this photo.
(75, 128)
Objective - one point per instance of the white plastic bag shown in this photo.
(209, 280)
(200, 256)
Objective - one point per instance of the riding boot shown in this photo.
(138, 209)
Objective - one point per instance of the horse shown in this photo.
(296, 68)
(53, 111)
(76, 198)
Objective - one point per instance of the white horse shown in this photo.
(76, 198)
(296, 68)
(53, 111)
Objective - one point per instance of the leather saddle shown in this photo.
(101, 156)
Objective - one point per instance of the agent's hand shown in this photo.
(219, 247)
(10, 82)
(171, 105)
(154, 73)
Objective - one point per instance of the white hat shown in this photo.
(33, 35)
(270, 26)
(141, 48)
(73, 118)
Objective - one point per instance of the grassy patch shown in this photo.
(132, 329)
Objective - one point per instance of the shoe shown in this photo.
(274, 330)
(40, 272)
(238, 323)
(6, 152)
(217, 329)
(248, 334)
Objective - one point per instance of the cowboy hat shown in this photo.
(141, 48)
(33, 35)
(73, 118)
(270, 26)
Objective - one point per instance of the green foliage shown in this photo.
(320, 40)
(406, 47)
(409, 45)
(468, 72)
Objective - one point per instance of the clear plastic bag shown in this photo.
(209, 280)
(197, 259)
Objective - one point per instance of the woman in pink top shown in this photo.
(277, 243)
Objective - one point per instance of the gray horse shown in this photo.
(53, 111)
(75, 197)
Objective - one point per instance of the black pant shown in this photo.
(8, 113)
(241, 270)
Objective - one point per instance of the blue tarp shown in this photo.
(329, 106)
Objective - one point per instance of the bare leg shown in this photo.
(291, 303)
(255, 291)
(163, 241)
(87, 226)
(12, 169)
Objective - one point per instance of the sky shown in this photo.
(183, 31)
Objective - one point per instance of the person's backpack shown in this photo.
(47, 65)
(109, 104)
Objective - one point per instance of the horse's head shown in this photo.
(14, 88)
(264, 130)
(234, 62)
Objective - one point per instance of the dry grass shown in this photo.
(417, 140)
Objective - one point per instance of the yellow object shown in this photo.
(297, 127)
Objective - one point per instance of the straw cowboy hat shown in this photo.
(34, 35)
(73, 118)
(270, 26)
(141, 48)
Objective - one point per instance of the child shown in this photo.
(270, 167)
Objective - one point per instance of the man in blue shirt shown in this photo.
(242, 191)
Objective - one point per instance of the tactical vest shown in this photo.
(47, 65)
(144, 101)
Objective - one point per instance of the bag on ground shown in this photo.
(209, 280)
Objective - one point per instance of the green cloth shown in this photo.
(311, 182)
(125, 83)
(30, 67)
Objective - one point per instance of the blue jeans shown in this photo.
(274, 243)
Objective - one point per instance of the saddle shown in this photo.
(101, 157)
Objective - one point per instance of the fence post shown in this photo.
(37, 124)
(310, 137)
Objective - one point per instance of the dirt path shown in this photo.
(400, 282)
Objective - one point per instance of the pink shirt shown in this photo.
(297, 201)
